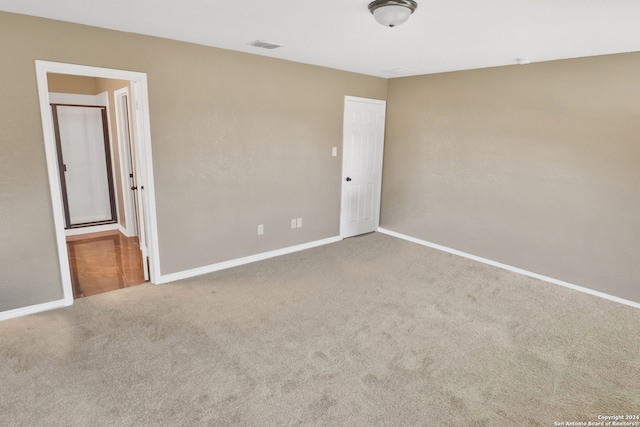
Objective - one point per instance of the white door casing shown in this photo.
(141, 125)
(362, 153)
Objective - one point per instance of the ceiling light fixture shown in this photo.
(392, 13)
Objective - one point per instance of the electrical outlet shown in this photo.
(260, 229)
(294, 223)
(299, 222)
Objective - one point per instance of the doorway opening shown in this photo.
(103, 262)
(107, 236)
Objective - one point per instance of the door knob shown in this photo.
(348, 179)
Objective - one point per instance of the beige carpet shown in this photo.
(371, 331)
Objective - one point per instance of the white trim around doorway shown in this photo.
(140, 99)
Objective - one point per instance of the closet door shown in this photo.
(363, 147)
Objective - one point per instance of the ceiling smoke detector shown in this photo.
(392, 13)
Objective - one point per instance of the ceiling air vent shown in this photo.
(264, 45)
(400, 71)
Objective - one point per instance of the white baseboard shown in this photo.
(91, 229)
(32, 309)
(10, 314)
(166, 278)
(125, 231)
(510, 268)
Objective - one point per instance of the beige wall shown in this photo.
(534, 166)
(237, 139)
(64, 83)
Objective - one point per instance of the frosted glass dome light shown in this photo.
(392, 13)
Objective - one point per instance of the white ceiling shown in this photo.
(442, 35)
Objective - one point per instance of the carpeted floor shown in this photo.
(370, 331)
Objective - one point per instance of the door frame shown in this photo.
(102, 100)
(347, 99)
(141, 126)
(113, 207)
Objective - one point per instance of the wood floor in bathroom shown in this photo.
(103, 262)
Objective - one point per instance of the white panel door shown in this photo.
(85, 166)
(140, 163)
(363, 147)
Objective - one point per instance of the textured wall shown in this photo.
(535, 166)
(63, 83)
(237, 140)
